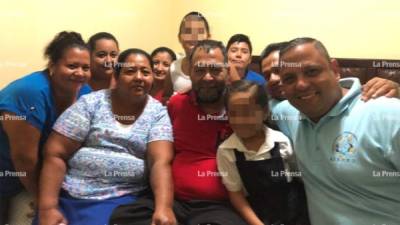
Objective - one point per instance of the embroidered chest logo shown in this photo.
(345, 148)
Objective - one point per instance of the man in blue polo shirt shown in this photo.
(348, 150)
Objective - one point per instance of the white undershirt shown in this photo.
(180, 81)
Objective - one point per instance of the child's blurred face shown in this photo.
(192, 31)
(245, 115)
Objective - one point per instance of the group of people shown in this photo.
(108, 137)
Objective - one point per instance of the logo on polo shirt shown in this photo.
(345, 148)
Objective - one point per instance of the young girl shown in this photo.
(255, 162)
(104, 51)
(162, 58)
(193, 28)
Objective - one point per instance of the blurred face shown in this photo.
(71, 71)
(309, 81)
(136, 77)
(270, 69)
(162, 61)
(192, 31)
(245, 116)
(239, 55)
(103, 58)
(208, 73)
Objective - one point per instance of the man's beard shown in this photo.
(209, 95)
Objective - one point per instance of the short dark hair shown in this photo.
(124, 55)
(98, 36)
(240, 38)
(306, 40)
(198, 17)
(164, 49)
(61, 42)
(208, 45)
(278, 46)
(260, 94)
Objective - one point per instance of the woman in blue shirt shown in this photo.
(29, 106)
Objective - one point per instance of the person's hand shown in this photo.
(164, 100)
(32, 207)
(51, 216)
(164, 217)
(377, 87)
(233, 74)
